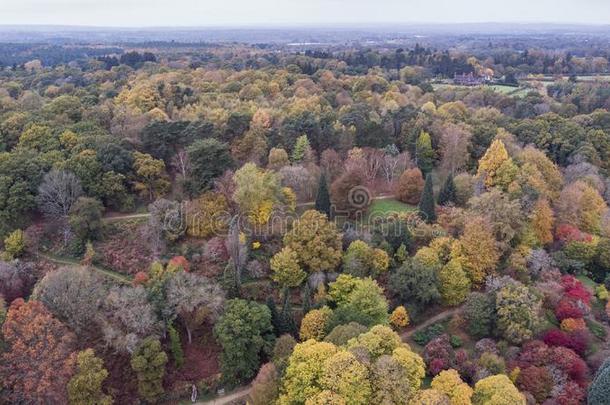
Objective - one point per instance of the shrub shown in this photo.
(423, 336)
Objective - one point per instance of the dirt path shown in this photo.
(122, 217)
(430, 321)
(70, 262)
(240, 393)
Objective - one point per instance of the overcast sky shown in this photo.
(125, 13)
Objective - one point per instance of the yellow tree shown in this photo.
(454, 284)
(286, 269)
(497, 390)
(314, 324)
(496, 166)
(256, 192)
(542, 220)
(449, 383)
(316, 242)
(346, 376)
(476, 250)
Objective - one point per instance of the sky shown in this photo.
(200, 13)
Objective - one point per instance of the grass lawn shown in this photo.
(381, 208)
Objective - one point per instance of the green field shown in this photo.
(380, 208)
(506, 90)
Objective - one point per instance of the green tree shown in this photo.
(447, 195)
(148, 362)
(599, 390)
(518, 312)
(479, 312)
(302, 150)
(454, 284)
(86, 218)
(323, 197)
(175, 346)
(209, 158)
(415, 283)
(85, 387)
(424, 152)
(151, 178)
(245, 333)
(426, 203)
(14, 245)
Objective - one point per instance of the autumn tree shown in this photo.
(476, 250)
(349, 194)
(496, 390)
(286, 269)
(316, 242)
(148, 362)
(265, 387)
(39, 363)
(345, 375)
(86, 218)
(358, 300)
(424, 154)
(85, 387)
(449, 383)
(454, 144)
(362, 260)
(151, 179)
(277, 159)
(580, 205)
(257, 192)
(314, 323)
(72, 294)
(410, 186)
(518, 312)
(542, 219)
(496, 166)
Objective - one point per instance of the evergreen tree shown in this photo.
(306, 298)
(426, 203)
(175, 346)
(287, 322)
(148, 362)
(447, 193)
(85, 387)
(302, 150)
(323, 197)
(275, 316)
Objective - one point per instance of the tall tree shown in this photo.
(209, 158)
(85, 387)
(323, 197)
(447, 195)
(426, 204)
(148, 362)
(424, 152)
(245, 333)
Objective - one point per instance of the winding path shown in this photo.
(430, 321)
(240, 393)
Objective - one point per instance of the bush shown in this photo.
(14, 245)
(424, 336)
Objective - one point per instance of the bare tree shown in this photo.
(56, 196)
(194, 299)
(73, 294)
(394, 163)
(454, 146)
(57, 193)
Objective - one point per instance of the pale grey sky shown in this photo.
(125, 13)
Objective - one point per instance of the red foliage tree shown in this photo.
(568, 308)
(576, 341)
(179, 261)
(572, 394)
(438, 354)
(569, 233)
(537, 381)
(568, 361)
(40, 359)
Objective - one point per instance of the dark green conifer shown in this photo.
(447, 193)
(323, 197)
(426, 203)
